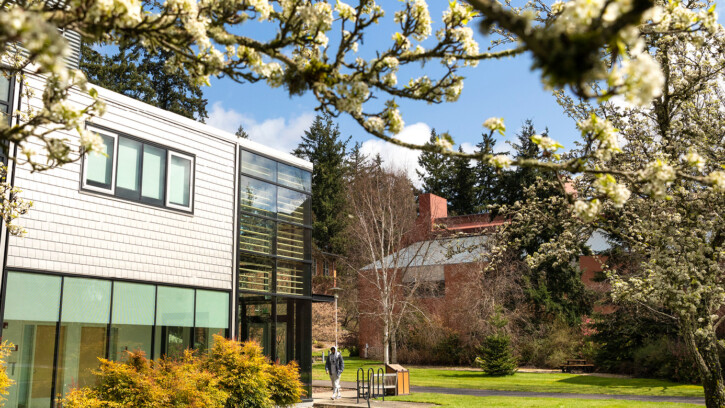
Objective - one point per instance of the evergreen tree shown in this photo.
(513, 182)
(144, 76)
(437, 171)
(241, 133)
(496, 357)
(488, 179)
(463, 198)
(322, 146)
(356, 161)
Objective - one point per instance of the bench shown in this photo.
(577, 365)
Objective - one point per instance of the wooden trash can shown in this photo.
(403, 383)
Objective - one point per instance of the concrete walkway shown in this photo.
(496, 393)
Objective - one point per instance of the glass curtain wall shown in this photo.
(274, 259)
(61, 325)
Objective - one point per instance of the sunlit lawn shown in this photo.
(464, 401)
(532, 382)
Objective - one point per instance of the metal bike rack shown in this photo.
(375, 385)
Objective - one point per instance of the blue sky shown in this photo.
(504, 88)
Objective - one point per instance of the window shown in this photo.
(6, 96)
(325, 268)
(139, 171)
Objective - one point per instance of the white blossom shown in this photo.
(546, 143)
(501, 161)
(693, 159)
(495, 125)
(587, 210)
(717, 179)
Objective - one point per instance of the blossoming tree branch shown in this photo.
(595, 49)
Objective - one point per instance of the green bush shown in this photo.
(552, 345)
(232, 374)
(496, 357)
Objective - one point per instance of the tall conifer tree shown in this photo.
(321, 145)
(463, 187)
(437, 171)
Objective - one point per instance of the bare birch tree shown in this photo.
(384, 211)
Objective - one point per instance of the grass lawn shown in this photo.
(464, 401)
(534, 382)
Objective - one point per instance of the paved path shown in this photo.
(497, 393)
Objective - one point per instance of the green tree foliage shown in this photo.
(512, 182)
(488, 184)
(496, 355)
(241, 133)
(145, 76)
(232, 374)
(463, 199)
(321, 145)
(437, 171)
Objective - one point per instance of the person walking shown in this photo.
(334, 366)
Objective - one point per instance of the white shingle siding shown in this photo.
(70, 231)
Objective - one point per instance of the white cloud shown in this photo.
(279, 133)
(400, 157)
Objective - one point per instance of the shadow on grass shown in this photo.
(606, 382)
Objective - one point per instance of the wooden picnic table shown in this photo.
(577, 364)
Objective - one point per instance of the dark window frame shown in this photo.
(8, 105)
(113, 191)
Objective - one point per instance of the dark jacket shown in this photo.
(340, 363)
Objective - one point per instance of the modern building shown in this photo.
(180, 231)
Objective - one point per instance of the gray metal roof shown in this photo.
(442, 251)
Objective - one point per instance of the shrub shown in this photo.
(241, 371)
(284, 384)
(496, 357)
(552, 345)
(5, 381)
(232, 374)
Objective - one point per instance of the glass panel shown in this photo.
(294, 177)
(84, 319)
(258, 166)
(179, 181)
(291, 278)
(292, 206)
(303, 342)
(30, 324)
(99, 165)
(257, 197)
(257, 321)
(132, 319)
(154, 173)
(256, 234)
(255, 273)
(4, 89)
(128, 172)
(212, 317)
(86, 300)
(174, 321)
(290, 241)
(282, 331)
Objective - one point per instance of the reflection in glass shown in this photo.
(84, 318)
(212, 317)
(174, 321)
(257, 321)
(30, 324)
(255, 273)
(4, 89)
(257, 197)
(292, 206)
(290, 241)
(258, 166)
(99, 165)
(129, 166)
(132, 319)
(256, 234)
(291, 278)
(294, 177)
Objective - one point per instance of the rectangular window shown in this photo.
(84, 319)
(135, 170)
(291, 241)
(212, 317)
(30, 324)
(294, 177)
(180, 181)
(128, 180)
(255, 273)
(256, 234)
(6, 96)
(132, 319)
(154, 174)
(174, 321)
(98, 167)
(259, 166)
(292, 206)
(291, 278)
(257, 197)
